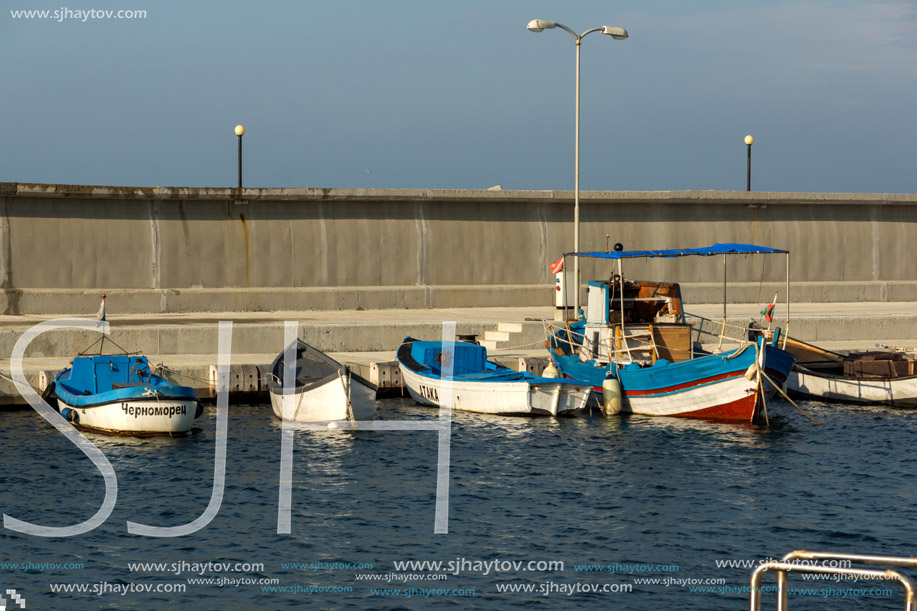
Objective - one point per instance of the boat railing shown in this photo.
(834, 564)
(725, 332)
(620, 346)
(637, 343)
(634, 341)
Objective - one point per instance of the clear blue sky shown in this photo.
(434, 94)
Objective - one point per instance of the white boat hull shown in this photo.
(896, 391)
(500, 398)
(162, 416)
(724, 398)
(333, 400)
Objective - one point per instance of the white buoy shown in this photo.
(611, 396)
(335, 425)
(752, 372)
(550, 371)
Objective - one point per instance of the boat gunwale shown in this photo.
(65, 394)
(117, 401)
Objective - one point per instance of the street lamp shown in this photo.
(540, 25)
(240, 131)
(749, 140)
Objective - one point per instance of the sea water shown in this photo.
(629, 513)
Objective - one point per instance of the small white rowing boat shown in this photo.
(323, 390)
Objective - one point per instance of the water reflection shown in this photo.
(587, 489)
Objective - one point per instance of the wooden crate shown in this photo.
(877, 368)
(673, 341)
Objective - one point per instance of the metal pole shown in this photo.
(787, 330)
(783, 591)
(539, 25)
(724, 289)
(621, 294)
(240, 163)
(748, 167)
(576, 191)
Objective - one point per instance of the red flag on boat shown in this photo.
(768, 312)
(557, 266)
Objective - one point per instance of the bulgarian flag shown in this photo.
(100, 317)
(557, 266)
(768, 312)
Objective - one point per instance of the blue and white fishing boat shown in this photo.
(635, 349)
(479, 385)
(121, 394)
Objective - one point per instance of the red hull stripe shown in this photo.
(774, 375)
(686, 385)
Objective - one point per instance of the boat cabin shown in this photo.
(98, 374)
(635, 321)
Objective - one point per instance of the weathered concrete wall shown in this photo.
(187, 249)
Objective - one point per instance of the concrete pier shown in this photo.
(186, 344)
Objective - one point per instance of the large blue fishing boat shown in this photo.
(634, 347)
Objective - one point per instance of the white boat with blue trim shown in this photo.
(635, 349)
(120, 394)
(479, 385)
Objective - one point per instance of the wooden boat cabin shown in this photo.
(635, 321)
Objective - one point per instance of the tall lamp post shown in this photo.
(240, 131)
(540, 25)
(749, 140)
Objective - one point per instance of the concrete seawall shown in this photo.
(167, 250)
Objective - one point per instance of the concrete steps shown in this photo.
(506, 334)
(534, 364)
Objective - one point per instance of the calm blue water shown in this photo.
(664, 498)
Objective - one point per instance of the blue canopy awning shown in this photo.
(716, 249)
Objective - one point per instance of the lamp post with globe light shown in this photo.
(749, 140)
(240, 131)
